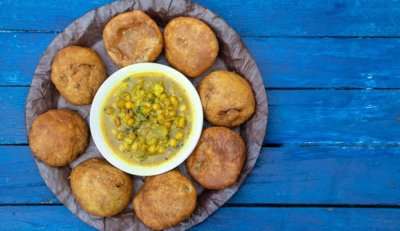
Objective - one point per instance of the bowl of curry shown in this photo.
(146, 118)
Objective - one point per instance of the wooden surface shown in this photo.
(331, 157)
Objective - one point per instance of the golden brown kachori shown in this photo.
(227, 98)
(132, 37)
(165, 200)
(101, 189)
(58, 136)
(77, 72)
(218, 159)
(190, 45)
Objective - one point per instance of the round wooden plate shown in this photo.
(87, 31)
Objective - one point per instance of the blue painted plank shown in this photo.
(340, 117)
(284, 63)
(324, 175)
(43, 15)
(253, 17)
(310, 18)
(16, 218)
(288, 175)
(358, 117)
(20, 182)
(20, 54)
(304, 219)
(236, 218)
(12, 104)
(327, 62)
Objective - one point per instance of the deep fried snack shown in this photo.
(218, 159)
(57, 137)
(101, 189)
(227, 98)
(77, 72)
(132, 37)
(190, 45)
(165, 200)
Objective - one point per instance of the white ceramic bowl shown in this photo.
(98, 105)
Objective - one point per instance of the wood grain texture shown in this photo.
(304, 219)
(286, 175)
(283, 62)
(12, 104)
(35, 218)
(234, 218)
(20, 53)
(249, 18)
(324, 175)
(327, 62)
(20, 181)
(338, 117)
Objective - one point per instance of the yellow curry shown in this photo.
(146, 118)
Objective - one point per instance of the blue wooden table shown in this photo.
(331, 157)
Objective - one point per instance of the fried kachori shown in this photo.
(57, 137)
(165, 200)
(218, 159)
(101, 189)
(77, 72)
(227, 98)
(190, 45)
(132, 37)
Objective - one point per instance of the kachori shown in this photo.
(165, 200)
(227, 98)
(132, 37)
(218, 159)
(77, 72)
(57, 137)
(190, 45)
(99, 188)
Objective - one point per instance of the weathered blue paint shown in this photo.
(285, 175)
(249, 18)
(283, 62)
(350, 117)
(233, 218)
